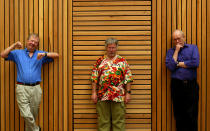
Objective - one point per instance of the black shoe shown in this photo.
(39, 128)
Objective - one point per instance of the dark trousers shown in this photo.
(185, 95)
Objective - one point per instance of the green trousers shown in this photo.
(111, 114)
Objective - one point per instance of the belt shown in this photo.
(28, 84)
(185, 81)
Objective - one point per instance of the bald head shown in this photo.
(178, 37)
(179, 32)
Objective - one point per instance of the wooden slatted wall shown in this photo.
(130, 22)
(94, 21)
(51, 20)
(193, 17)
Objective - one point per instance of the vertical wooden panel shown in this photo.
(2, 36)
(61, 57)
(168, 91)
(154, 65)
(163, 68)
(203, 85)
(51, 74)
(179, 14)
(13, 38)
(208, 64)
(36, 16)
(12, 70)
(174, 14)
(41, 43)
(65, 59)
(192, 18)
(158, 71)
(70, 69)
(46, 67)
(184, 14)
(189, 21)
(31, 15)
(199, 44)
(56, 87)
(26, 19)
(7, 87)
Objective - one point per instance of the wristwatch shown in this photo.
(177, 63)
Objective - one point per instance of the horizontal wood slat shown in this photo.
(130, 43)
(113, 8)
(108, 13)
(87, 37)
(126, 57)
(112, 3)
(128, 115)
(132, 67)
(125, 22)
(119, 52)
(132, 62)
(135, 82)
(111, 18)
(135, 77)
(119, 48)
(88, 27)
(95, 33)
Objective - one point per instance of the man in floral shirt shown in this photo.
(111, 82)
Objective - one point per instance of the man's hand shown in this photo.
(40, 55)
(178, 47)
(181, 64)
(127, 98)
(94, 97)
(18, 45)
(176, 52)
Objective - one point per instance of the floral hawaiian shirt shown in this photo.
(111, 77)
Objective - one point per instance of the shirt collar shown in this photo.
(27, 51)
(186, 45)
(105, 56)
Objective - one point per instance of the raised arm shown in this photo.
(53, 55)
(5, 53)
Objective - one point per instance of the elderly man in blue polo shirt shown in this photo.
(28, 91)
(183, 60)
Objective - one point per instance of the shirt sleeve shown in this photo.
(46, 59)
(170, 62)
(128, 75)
(12, 56)
(194, 61)
(95, 71)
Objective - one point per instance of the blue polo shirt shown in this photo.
(28, 68)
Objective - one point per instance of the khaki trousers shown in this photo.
(28, 99)
(111, 114)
